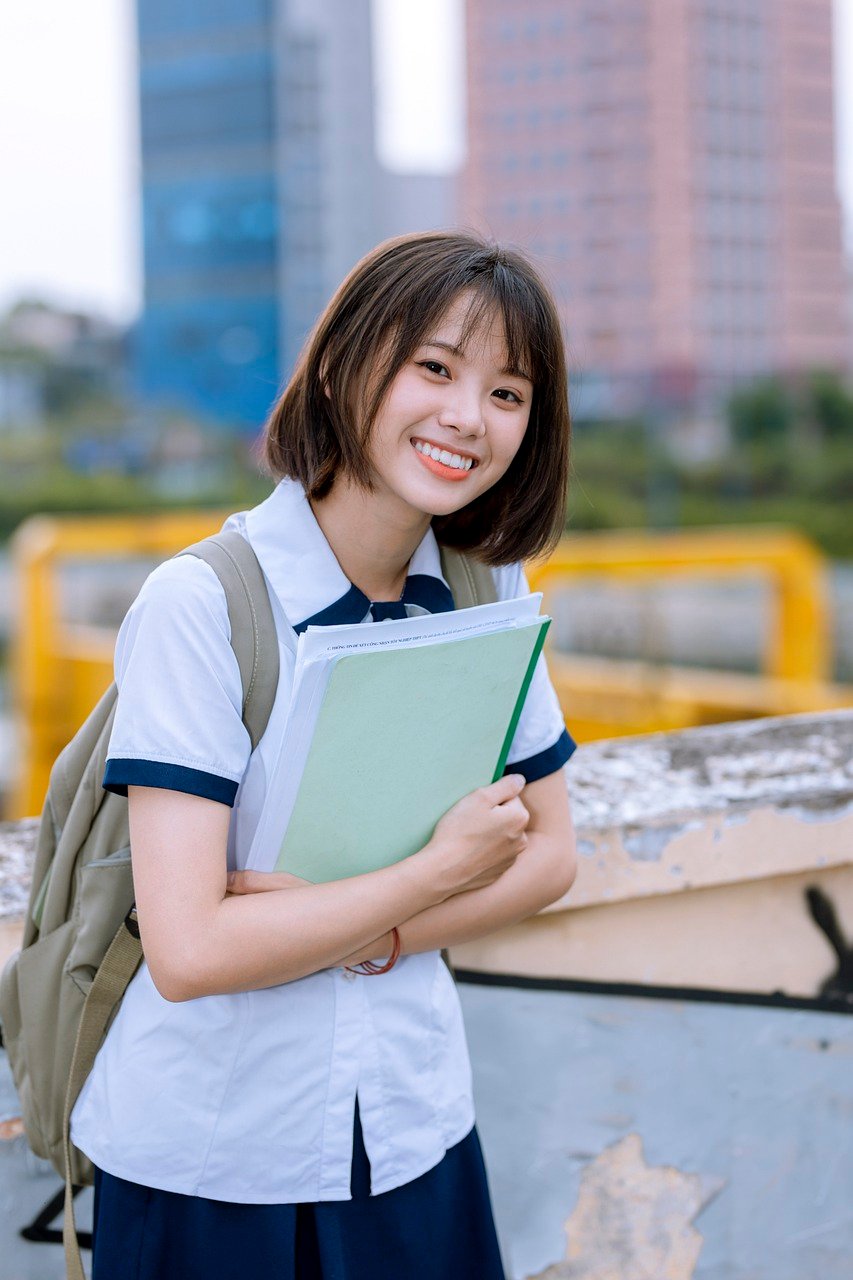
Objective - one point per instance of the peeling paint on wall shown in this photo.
(632, 1221)
(648, 843)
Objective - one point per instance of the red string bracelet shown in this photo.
(369, 967)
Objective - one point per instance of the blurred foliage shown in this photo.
(814, 408)
(85, 447)
(830, 404)
(763, 411)
(98, 459)
(100, 456)
(624, 477)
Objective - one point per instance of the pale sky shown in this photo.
(69, 221)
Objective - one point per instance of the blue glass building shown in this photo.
(260, 187)
(208, 338)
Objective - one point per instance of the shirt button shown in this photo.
(348, 975)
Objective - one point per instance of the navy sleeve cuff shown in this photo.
(120, 774)
(545, 762)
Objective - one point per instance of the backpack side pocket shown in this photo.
(103, 900)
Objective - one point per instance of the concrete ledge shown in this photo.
(719, 804)
(697, 851)
(17, 853)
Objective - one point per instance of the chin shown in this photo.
(442, 505)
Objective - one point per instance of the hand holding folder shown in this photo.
(403, 731)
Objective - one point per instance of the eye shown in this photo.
(434, 366)
(505, 391)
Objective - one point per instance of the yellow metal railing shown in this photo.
(797, 649)
(604, 697)
(60, 669)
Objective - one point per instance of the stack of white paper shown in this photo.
(319, 650)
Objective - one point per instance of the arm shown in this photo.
(543, 872)
(198, 940)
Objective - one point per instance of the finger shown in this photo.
(513, 817)
(506, 788)
(517, 810)
(261, 881)
(285, 880)
(237, 882)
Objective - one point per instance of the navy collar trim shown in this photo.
(421, 589)
(350, 608)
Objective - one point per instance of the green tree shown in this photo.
(830, 405)
(761, 412)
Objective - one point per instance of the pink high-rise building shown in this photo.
(670, 163)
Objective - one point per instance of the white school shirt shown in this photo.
(249, 1097)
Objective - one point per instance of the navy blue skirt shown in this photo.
(437, 1227)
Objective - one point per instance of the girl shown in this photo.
(264, 1104)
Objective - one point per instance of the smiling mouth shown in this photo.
(444, 461)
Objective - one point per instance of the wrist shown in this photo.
(376, 950)
(373, 968)
(422, 874)
(430, 871)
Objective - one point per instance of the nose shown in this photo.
(464, 414)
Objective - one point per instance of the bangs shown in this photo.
(500, 297)
(497, 292)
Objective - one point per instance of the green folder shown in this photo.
(401, 735)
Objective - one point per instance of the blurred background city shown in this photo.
(186, 185)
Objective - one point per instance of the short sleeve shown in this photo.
(178, 721)
(542, 744)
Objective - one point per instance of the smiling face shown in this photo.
(445, 341)
(454, 397)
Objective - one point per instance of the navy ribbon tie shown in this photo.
(431, 594)
(421, 589)
(385, 609)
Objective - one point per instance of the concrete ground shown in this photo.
(26, 1184)
(672, 1137)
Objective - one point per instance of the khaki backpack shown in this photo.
(81, 946)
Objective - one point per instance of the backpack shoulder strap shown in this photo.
(253, 632)
(471, 581)
(112, 979)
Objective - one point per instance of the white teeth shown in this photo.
(449, 459)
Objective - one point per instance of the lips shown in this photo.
(450, 448)
(445, 452)
(441, 469)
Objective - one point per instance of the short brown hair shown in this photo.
(378, 317)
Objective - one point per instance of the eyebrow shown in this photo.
(458, 351)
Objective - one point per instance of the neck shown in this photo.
(373, 539)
